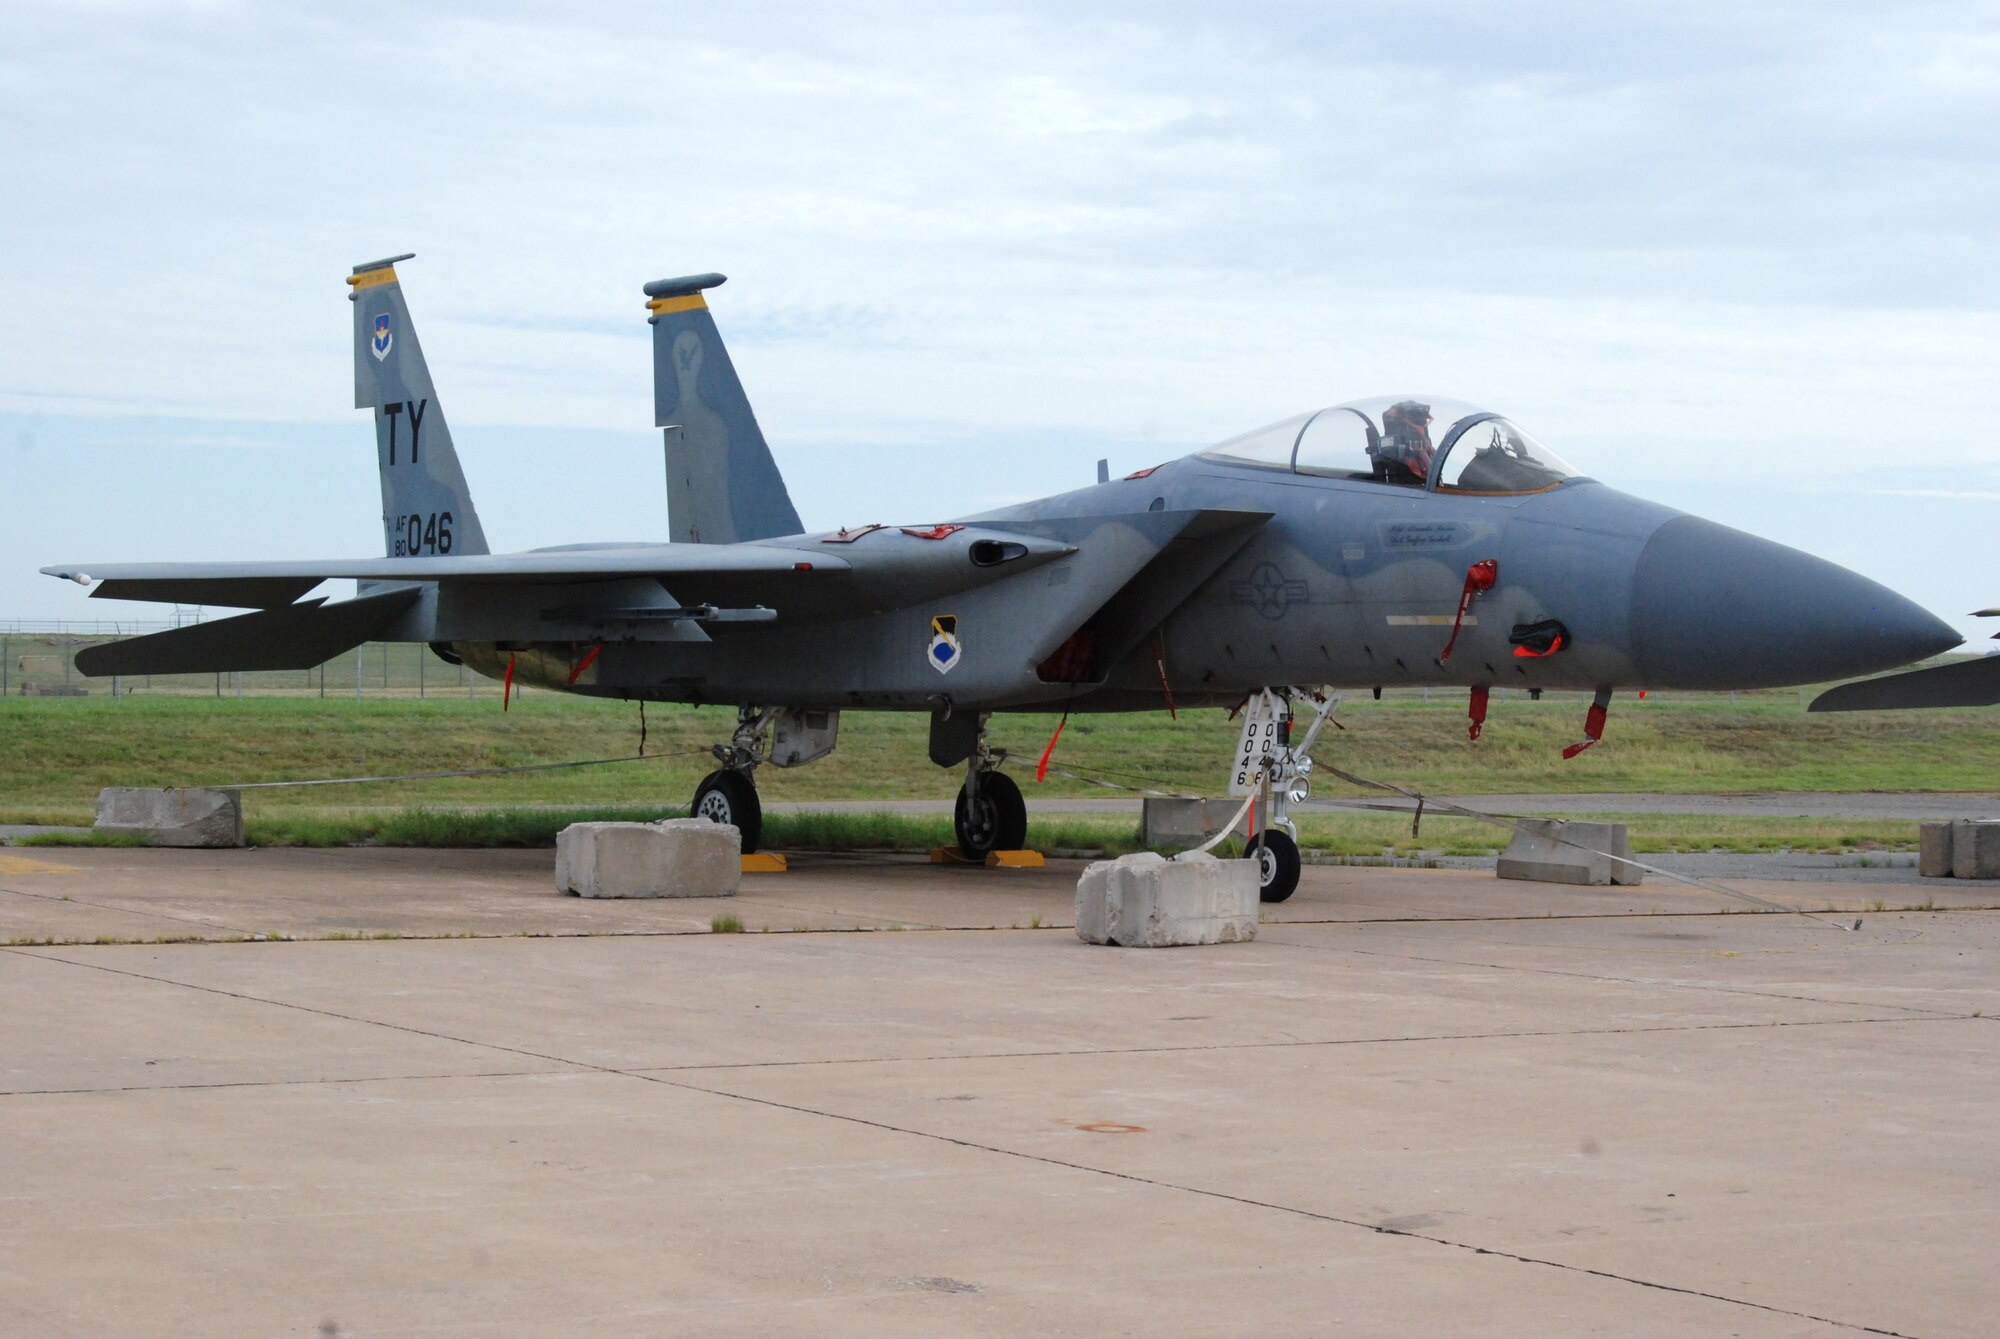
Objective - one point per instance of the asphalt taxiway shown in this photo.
(379, 1092)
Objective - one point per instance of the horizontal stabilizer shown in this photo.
(1970, 683)
(228, 592)
(295, 637)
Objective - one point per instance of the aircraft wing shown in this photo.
(1970, 683)
(644, 592)
(268, 585)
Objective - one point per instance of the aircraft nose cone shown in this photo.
(1713, 607)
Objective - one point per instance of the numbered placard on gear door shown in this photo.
(1265, 717)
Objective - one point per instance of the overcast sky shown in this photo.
(1738, 258)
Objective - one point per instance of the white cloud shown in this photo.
(1669, 243)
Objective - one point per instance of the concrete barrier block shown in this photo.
(1622, 874)
(1176, 824)
(677, 857)
(1554, 851)
(181, 816)
(1934, 849)
(1975, 848)
(1146, 901)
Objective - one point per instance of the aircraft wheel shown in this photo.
(728, 796)
(997, 821)
(1277, 865)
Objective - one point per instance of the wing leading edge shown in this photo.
(261, 585)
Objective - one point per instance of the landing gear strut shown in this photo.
(1278, 772)
(781, 736)
(990, 814)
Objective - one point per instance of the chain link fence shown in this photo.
(39, 660)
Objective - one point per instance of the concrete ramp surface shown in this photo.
(1420, 1102)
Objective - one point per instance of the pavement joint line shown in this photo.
(645, 1071)
(1273, 1206)
(974, 1145)
(1657, 983)
(45, 956)
(240, 936)
(1927, 1016)
(887, 926)
(1662, 914)
(279, 1083)
(1415, 1039)
(130, 911)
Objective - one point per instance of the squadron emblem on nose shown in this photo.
(944, 643)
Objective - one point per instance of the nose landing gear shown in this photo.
(1278, 771)
(1278, 864)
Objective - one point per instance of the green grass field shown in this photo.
(55, 753)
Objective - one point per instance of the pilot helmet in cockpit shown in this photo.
(1405, 453)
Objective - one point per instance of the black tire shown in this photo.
(997, 822)
(730, 797)
(1277, 864)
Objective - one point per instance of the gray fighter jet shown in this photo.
(1395, 542)
(1968, 683)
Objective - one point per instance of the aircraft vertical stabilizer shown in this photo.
(722, 485)
(426, 507)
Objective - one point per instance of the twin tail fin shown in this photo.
(722, 485)
(426, 508)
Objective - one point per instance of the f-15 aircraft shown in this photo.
(1392, 542)
(1968, 683)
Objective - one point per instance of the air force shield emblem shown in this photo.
(384, 337)
(944, 643)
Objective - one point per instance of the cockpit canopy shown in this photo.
(1415, 441)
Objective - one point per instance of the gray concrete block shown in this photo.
(677, 857)
(1548, 850)
(1975, 848)
(1146, 901)
(181, 816)
(1934, 850)
(1176, 824)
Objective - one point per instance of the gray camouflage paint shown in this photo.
(1230, 576)
(421, 477)
(722, 485)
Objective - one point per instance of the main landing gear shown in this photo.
(990, 814)
(781, 736)
(729, 796)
